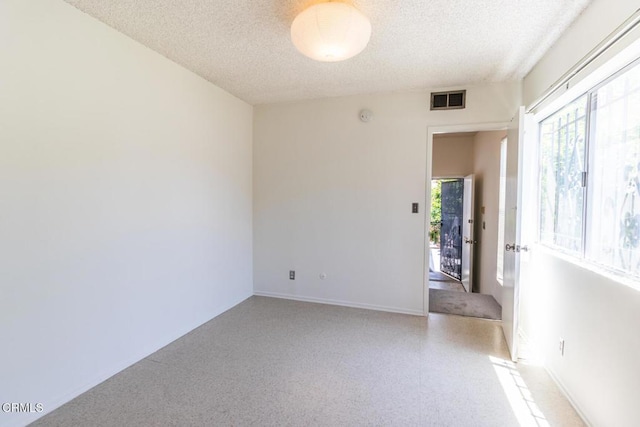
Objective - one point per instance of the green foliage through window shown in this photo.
(436, 211)
(590, 175)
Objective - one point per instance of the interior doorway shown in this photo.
(463, 230)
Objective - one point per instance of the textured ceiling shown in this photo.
(244, 46)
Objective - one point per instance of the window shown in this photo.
(590, 175)
(614, 216)
(501, 210)
(562, 163)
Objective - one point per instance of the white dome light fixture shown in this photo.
(331, 32)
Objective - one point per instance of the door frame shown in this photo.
(469, 181)
(431, 131)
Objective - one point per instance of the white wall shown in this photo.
(333, 195)
(599, 20)
(452, 155)
(486, 169)
(125, 202)
(598, 317)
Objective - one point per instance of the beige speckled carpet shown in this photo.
(464, 304)
(269, 362)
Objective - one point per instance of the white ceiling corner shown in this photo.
(244, 46)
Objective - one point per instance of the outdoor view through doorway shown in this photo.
(451, 197)
(451, 242)
(451, 230)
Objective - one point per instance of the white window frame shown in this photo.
(579, 253)
(582, 257)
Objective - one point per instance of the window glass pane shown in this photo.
(614, 224)
(562, 154)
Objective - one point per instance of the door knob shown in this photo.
(508, 247)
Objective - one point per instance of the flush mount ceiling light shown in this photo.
(330, 32)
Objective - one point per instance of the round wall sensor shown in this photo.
(366, 115)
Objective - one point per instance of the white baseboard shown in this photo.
(340, 303)
(538, 358)
(566, 393)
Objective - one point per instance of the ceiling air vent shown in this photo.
(451, 100)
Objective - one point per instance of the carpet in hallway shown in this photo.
(449, 285)
(436, 276)
(464, 304)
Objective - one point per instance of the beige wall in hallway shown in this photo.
(452, 155)
(486, 169)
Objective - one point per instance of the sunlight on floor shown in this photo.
(528, 352)
(434, 258)
(522, 403)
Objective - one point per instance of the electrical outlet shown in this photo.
(292, 275)
(561, 347)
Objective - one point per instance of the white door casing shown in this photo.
(467, 233)
(513, 198)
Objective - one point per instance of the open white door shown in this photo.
(510, 289)
(467, 234)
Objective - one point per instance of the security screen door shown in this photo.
(451, 232)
